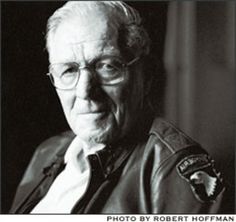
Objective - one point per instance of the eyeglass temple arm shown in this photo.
(132, 61)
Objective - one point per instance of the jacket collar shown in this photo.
(109, 159)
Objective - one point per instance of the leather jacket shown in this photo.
(164, 172)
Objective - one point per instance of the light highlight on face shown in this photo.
(96, 113)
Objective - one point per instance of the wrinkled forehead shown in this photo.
(93, 24)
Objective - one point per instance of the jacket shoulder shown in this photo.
(170, 136)
(167, 143)
(181, 166)
(46, 153)
(56, 144)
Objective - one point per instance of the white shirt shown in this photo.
(70, 185)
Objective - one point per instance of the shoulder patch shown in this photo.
(198, 170)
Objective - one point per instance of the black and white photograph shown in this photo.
(118, 107)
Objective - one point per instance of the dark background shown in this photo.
(200, 92)
(31, 111)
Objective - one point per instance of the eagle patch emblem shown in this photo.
(200, 173)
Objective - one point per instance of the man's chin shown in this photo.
(99, 130)
(96, 135)
(94, 138)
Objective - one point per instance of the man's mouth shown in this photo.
(92, 112)
(92, 115)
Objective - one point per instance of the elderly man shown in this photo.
(118, 158)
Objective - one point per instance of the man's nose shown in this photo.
(85, 85)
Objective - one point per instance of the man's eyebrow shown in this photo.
(103, 57)
(86, 41)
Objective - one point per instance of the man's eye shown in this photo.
(106, 67)
(69, 72)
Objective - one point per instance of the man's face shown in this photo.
(95, 112)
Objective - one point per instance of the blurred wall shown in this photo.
(200, 65)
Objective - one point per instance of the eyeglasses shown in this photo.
(108, 71)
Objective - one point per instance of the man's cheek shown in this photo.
(67, 100)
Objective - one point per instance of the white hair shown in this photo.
(134, 37)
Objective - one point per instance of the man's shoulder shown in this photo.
(179, 158)
(46, 153)
(170, 136)
(56, 144)
(168, 144)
